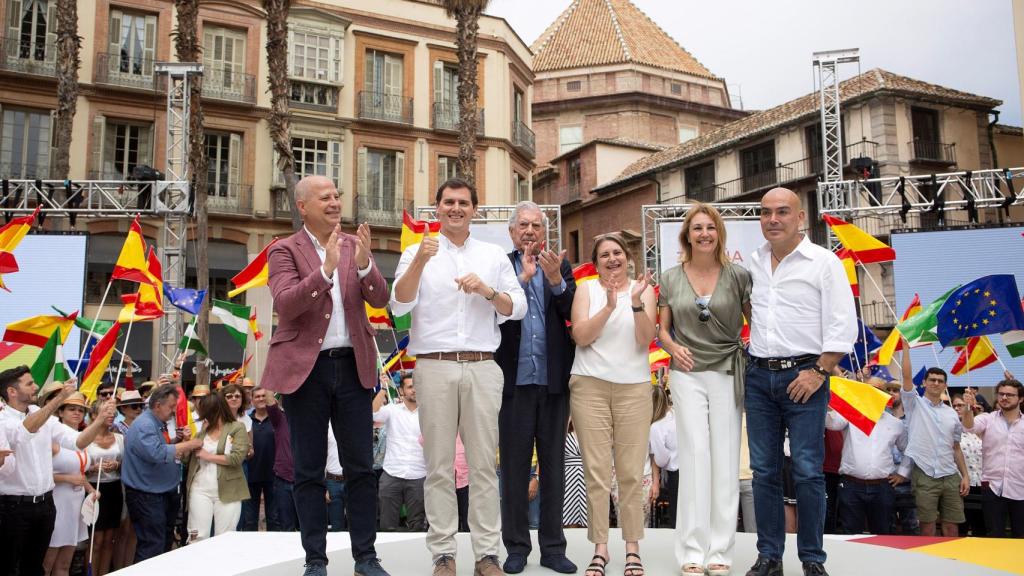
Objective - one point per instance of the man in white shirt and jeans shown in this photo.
(459, 289)
(803, 322)
(404, 467)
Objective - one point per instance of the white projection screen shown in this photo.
(52, 273)
(743, 238)
(930, 263)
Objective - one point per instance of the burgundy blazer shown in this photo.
(302, 300)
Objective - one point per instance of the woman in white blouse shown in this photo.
(105, 468)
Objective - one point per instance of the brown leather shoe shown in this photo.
(444, 566)
(488, 566)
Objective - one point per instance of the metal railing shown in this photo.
(122, 70)
(314, 96)
(27, 56)
(382, 210)
(281, 208)
(859, 149)
(446, 117)
(24, 171)
(223, 84)
(877, 314)
(225, 198)
(709, 193)
(929, 151)
(385, 107)
(523, 138)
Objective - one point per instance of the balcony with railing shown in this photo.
(314, 95)
(119, 69)
(385, 107)
(281, 208)
(24, 171)
(930, 152)
(523, 138)
(446, 117)
(229, 198)
(859, 149)
(222, 83)
(381, 210)
(26, 56)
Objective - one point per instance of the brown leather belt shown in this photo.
(335, 477)
(865, 481)
(458, 356)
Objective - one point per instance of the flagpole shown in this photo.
(92, 328)
(880, 292)
(863, 336)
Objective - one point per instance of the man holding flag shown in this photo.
(27, 512)
(324, 361)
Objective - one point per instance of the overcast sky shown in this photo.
(763, 49)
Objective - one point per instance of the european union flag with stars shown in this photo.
(988, 305)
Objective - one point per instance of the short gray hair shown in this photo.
(161, 394)
(526, 205)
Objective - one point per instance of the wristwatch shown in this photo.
(639, 308)
(824, 373)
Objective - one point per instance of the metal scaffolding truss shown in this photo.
(653, 215)
(922, 193)
(827, 64)
(492, 214)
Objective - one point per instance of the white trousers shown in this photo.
(205, 508)
(708, 435)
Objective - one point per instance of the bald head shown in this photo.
(782, 215)
(784, 195)
(319, 203)
(309, 184)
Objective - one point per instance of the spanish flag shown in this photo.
(254, 326)
(10, 236)
(183, 414)
(36, 331)
(861, 404)
(99, 359)
(413, 230)
(850, 266)
(977, 354)
(894, 341)
(378, 317)
(254, 275)
(584, 272)
(865, 248)
(147, 303)
(132, 263)
(657, 357)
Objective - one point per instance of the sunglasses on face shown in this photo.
(232, 395)
(705, 314)
(106, 393)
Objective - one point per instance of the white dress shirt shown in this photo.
(450, 320)
(7, 470)
(337, 331)
(663, 443)
(404, 455)
(333, 460)
(804, 307)
(869, 457)
(33, 476)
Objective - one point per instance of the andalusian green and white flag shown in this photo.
(190, 341)
(235, 318)
(920, 329)
(49, 365)
(1014, 342)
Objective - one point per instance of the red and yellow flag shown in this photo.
(99, 359)
(254, 275)
(378, 317)
(131, 262)
(10, 236)
(255, 327)
(147, 303)
(584, 272)
(866, 249)
(657, 357)
(183, 414)
(413, 230)
(861, 404)
(977, 354)
(36, 331)
(850, 266)
(894, 341)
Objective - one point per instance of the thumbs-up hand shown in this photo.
(428, 249)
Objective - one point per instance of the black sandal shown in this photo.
(631, 567)
(595, 567)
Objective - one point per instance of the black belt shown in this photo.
(776, 364)
(864, 481)
(10, 499)
(335, 477)
(337, 352)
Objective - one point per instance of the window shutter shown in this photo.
(146, 145)
(292, 55)
(399, 177)
(442, 169)
(336, 52)
(51, 30)
(438, 82)
(149, 47)
(13, 18)
(99, 124)
(361, 176)
(368, 72)
(114, 40)
(234, 170)
(336, 163)
(393, 81)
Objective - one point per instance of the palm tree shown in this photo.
(68, 63)
(280, 95)
(186, 43)
(467, 24)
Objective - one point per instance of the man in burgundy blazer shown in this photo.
(323, 361)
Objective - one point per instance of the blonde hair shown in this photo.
(684, 234)
(661, 405)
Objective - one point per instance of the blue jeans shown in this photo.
(284, 499)
(153, 516)
(861, 504)
(336, 507)
(770, 413)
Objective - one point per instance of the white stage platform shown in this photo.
(404, 554)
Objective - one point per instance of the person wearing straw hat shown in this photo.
(130, 405)
(69, 492)
(146, 388)
(27, 511)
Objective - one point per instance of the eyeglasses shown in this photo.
(705, 314)
(232, 395)
(1006, 394)
(106, 393)
(132, 406)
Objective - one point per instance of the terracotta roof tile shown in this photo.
(798, 110)
(599, 32)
